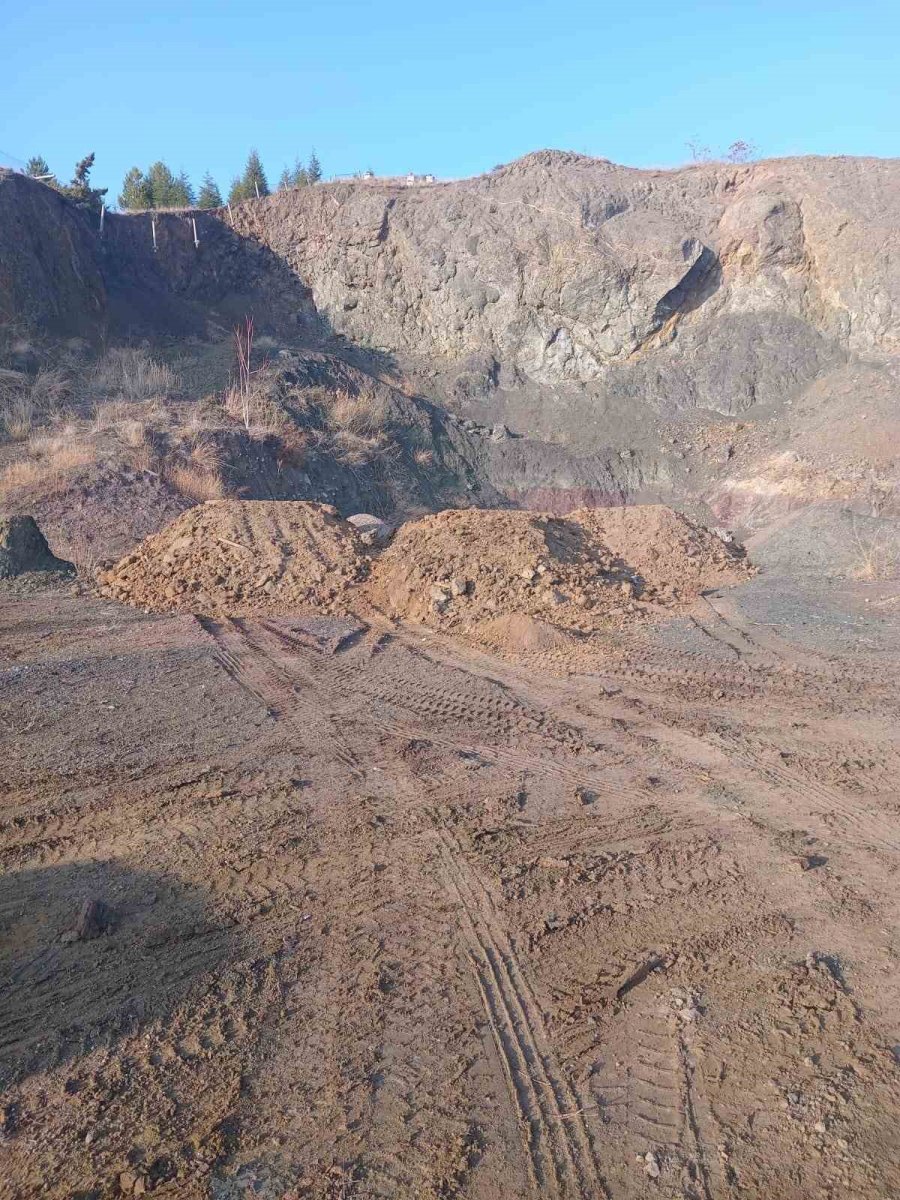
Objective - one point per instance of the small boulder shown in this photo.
(24, 548)
(372, 530)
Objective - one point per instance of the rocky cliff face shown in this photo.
(714, 286)
(577, 301)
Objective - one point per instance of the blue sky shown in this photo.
(452, 88)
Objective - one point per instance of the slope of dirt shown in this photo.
(457, 568)
(295, 915)
(243, 556)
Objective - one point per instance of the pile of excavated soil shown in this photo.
(462, 569)
(240, 557)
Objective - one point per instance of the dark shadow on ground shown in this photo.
(63, 995)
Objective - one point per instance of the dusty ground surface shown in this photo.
(380, 915)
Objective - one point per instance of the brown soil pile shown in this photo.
(239, 557)
(458, 568)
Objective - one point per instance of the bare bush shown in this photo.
(130, 372)
(877, 554)
(423, 457)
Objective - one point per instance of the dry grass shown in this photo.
(254, 409)
(423, 457)
(26, 401)
(142, 458)
(50, 471)
(364, 415)
(132, 433)
(877, 555)
(194, 481)
(131, 374)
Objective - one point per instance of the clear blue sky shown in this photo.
(449, 87)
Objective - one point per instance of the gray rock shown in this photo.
(372, 530)
(24, 548)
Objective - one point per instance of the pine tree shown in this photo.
(136, 192)
(313, 169)
(236, 191)
(80, 189)
(293, 177)
(37, 167)
(254, 177)
(162, 186)
(209, 195)
(182, 192)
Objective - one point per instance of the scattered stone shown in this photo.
(651, 1165)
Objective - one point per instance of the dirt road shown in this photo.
(384, 916)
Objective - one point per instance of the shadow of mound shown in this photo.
(65, 993)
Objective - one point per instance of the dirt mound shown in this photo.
(668, 554)
(461, 568)
(238, 557)
(23, 548)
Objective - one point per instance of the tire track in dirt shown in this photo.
(353, 690)
(253, 668)
(557, 1137)
(872, 830)
(558, 1140)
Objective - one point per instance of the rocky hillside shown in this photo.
(600, 307)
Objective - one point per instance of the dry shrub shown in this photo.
(423, 457)
(87, 556)
(194, 481)
(255, 409)
(132, 433)
(142, 458)
(50, 389)
(205, 454)
(877, 554)
(131, 373)
(27, 401)
(363, 414)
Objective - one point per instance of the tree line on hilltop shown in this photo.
(160, 187)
